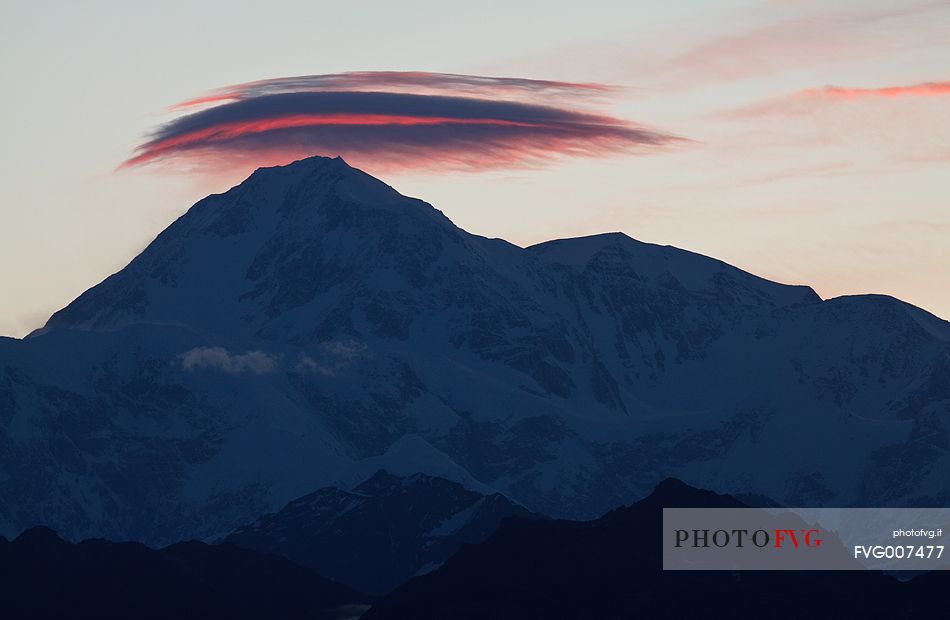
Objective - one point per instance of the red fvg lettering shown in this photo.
(809, 538)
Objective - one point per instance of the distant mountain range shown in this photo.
(44, 577)
(608, 568)
(312, 326)
(611, 569)
(378, 535)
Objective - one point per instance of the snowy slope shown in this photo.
(311, 326)
(379, 534)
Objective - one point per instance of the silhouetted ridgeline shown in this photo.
(610, 569)
(45, 577)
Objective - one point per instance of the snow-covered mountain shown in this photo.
(379, 534)
(311, 326)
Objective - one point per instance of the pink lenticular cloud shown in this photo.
(225, 132)
(396, 120)
(410, 82)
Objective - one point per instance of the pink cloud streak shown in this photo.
(924, 89)
(805, 101)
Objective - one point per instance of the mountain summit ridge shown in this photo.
(271, 208)
(311, 325)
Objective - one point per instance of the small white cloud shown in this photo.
(307, 364)
(345, 350)
(218, 358)
(333, 358)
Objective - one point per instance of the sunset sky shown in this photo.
(805, 141)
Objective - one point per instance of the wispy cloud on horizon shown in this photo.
(398, 120)
(803, 35)
(748, 43)
(805, 101)
(924, 89)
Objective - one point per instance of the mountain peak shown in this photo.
(309, 163)
(39, 537)
(396, 526)
(236, 262)
(320, 172)
(673, 493)
(269, 244)
(616, 254)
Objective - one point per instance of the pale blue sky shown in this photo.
(848, 195)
